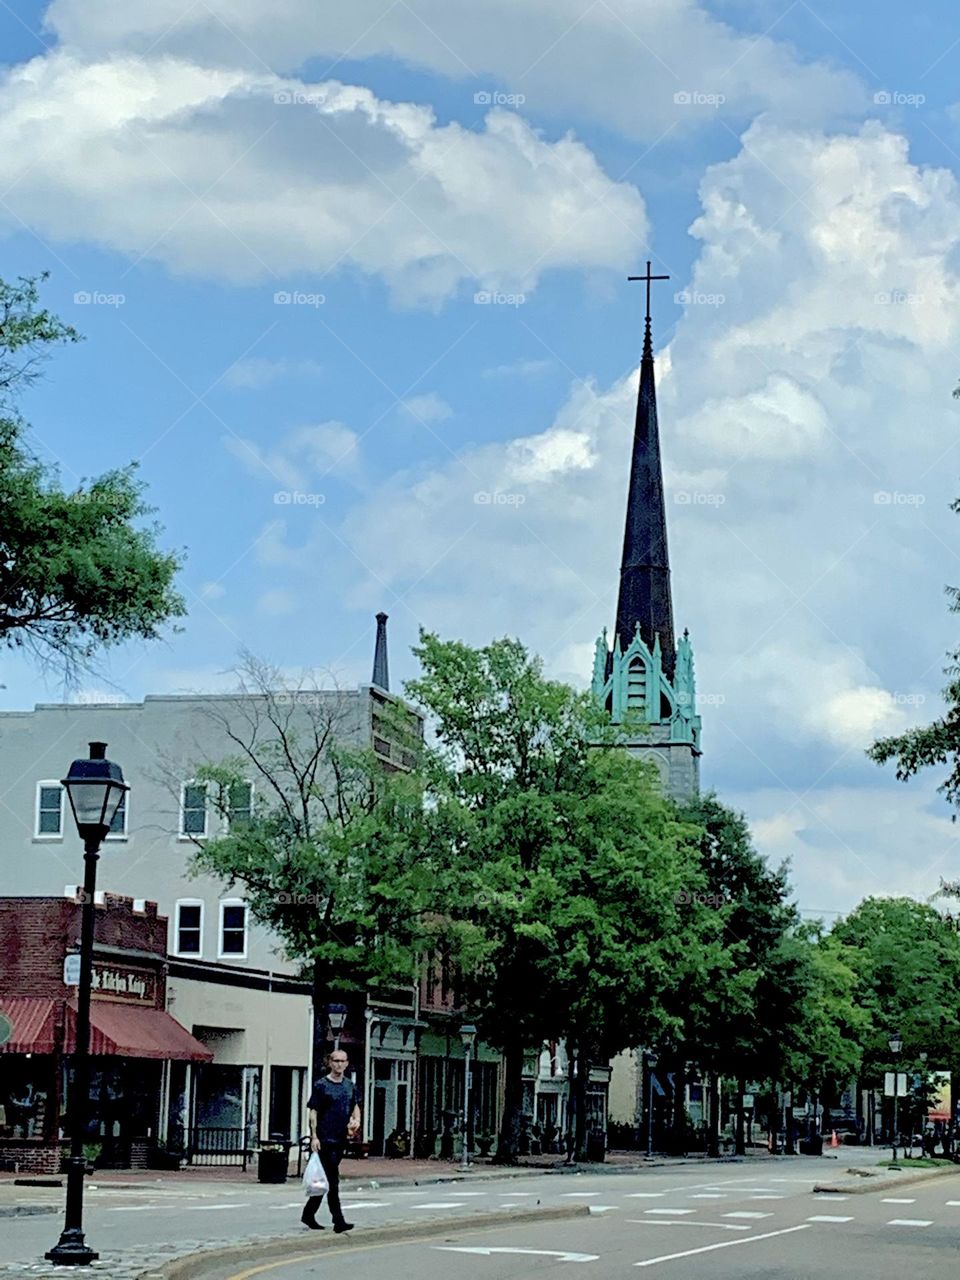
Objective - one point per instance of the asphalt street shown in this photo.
(769, 1227)
(730, 1209)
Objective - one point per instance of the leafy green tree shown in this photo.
(79, 570)
(563, 862)
(738, 1021)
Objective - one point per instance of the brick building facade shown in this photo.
(133, 1039)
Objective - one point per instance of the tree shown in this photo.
(937, 743)
(562, 863)
(79, 570)
(739, 1021)
(330, 855)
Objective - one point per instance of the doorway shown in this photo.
(391, 1101)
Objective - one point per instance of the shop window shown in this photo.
(189, 927)
(49, 823)
(239, 803)
(193, 809)
(233, 929)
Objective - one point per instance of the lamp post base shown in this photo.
(72, 1250)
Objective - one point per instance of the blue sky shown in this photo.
(185, 167)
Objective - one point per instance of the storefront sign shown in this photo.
(135, 985)
(71, 971)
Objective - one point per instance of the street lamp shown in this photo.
(337, 1017)
(896, 1044)
(96, 789)
(468, 1033)
(652, 1061)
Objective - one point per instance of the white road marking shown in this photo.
(138, 1208)
(747, 1213)
(568, 1195)
(709, 1195)
(601, 1208)
(723, 1244)
(367, 1204)
(675, 1213)
(441, 1204)
(472, 1193)
(910, 1222)
(822, 1198)
(201, 1208)
(644, 1195)
(486, 1251)
(894, 1200)
(674, 1222)
(828, 1217)
(953, 1203)
(767, 1197)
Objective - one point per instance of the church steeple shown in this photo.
(381, 672)
(644, 598)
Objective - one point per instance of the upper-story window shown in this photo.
(49, 821)
(193, 809)
(233, 928)
(188, 927)
(118, 827)
(239, 803)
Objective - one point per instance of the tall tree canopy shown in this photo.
(80, 569)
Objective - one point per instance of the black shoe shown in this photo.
(340, 1227)
(312, 1223)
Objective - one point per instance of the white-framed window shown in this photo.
(188, 927)
(118, 827)
(233, 929)
(239, 803)
(49, 816)
(194, 818)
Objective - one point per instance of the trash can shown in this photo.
(274, 1159)
(596, 1146)
(811, 1146)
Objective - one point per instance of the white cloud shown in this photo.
(639, 69)
(518, 369)
(257, 372)
(427, 408)
(277, 603)
(302, 456)
(205, 171)
(213, 591)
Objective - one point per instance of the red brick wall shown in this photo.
(36, 933)
(32, 1157)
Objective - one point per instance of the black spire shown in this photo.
(381, 673)
(645, 567)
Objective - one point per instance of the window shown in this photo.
(239, 803)
(49, 810)
(233, 929)
(118, 827)
(193, 809)
(189, 927)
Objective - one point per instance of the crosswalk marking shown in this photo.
(709, 1195)
(895, 1200)
(828, 1217)
(644, 1195)
(747, 1213)
(686, 1222)
(910, 1222)
(676, 1213)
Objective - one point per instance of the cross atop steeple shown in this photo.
(648, 277)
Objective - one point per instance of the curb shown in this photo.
(196, 1265)
(28, 1210)
(876, 1182)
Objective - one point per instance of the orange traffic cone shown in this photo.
(834, 1140)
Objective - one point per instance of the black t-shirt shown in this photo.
(334, 1105)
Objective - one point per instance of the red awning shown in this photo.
(124, 1031)
(33, 1020)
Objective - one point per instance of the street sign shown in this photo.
(748, 1102)
(6, 1028)
(895, 1088)
(71, 971)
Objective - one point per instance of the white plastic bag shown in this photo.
(314, 1179)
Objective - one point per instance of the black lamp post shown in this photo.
(468, 1033)
(652, 1061)
(896, 1044)
(96, 789)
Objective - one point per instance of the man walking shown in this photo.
(334, 1111)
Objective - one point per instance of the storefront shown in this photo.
(133, 1040)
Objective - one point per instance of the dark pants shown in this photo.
(331, 1153)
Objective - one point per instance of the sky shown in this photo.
(352, 280)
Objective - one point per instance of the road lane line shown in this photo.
(487, 1250)
(828, 1217)
(894, 1200)
(910, 1222)
(722, 1244)
(644, 1195)
(685, 1222)
(440, 1204)
(709, 1195)
(675, 1213)
(748, 1213)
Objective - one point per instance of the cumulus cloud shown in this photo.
(429, 407)
(640, 69)
(302, 456)
(242, 176)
